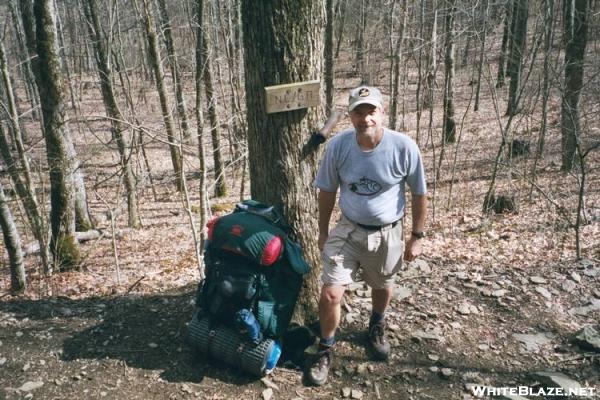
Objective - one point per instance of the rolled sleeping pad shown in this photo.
(223, 343)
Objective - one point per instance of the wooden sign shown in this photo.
(292, 96)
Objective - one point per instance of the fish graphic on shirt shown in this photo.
(365, 187)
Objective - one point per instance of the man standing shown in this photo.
(371, 165)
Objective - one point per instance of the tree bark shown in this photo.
(329, 56)
(520, 16)
(12, 242)
(395, 70)
(504, 46)
(284, 43)
(61, 162)
(449, 123)
(575, 39)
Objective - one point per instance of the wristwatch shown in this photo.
(418, 235)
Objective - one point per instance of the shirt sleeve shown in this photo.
(327, 178)
(416, 173)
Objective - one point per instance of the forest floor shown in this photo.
(493, 300)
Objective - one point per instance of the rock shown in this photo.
(361, 369)
(433, 357)
(483, 347)
(434, 369)
(2, 361)
(26, 367)
(186, 388)
(446, 373)
(421, 265)
(555, 379)
(351, 317)
(537, 280)
(462, 276)
(593, 305)
(422, 335)
(499, 293)
(267, 394)
(402, 292)
(544, 292)
(269, 383)
(152, 345)
(532, 343)
(587, 338)
(596, 294)
(575, 277)
(464, 309)
(568, 286)
(356, 394)
(31, 385)
(346, 392)
(592, 272)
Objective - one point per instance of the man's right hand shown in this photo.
(322, 239)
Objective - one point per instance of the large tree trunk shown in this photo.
(284, 44)
(520, 16)
(12, 242)
(329, 56)
(61, 160)
(112, 109)
(575, 37)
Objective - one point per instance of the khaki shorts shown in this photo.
(352, 252)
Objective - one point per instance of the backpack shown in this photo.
(252, 264)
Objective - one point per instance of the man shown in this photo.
(371, 165)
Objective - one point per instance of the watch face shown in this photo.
(418, 235)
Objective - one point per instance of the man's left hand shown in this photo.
(413, 249)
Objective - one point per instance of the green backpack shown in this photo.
(252, 263)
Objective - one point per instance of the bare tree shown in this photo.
(575, 38)
(517, 53)
(102, 52)
(12, 242)
(59, 149)
(449, 130)
(159, 78)
(175, 69)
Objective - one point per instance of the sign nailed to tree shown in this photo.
(292, 96)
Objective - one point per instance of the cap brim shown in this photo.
(372, 102)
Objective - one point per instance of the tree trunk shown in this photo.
(29, 78)
(61, 162)
(157, 67)
(431, 57)
(175, 69)
(329, 56)
(504, 46)
(341, 7)
(484, 17)
(112, 109)
(200, 65)
(395, 70)
(575, 38)
(12, 242)
(284, 44)
(449, 123)
(520, 15)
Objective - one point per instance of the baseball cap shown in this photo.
(364, 95)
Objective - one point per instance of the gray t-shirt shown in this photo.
(372, 182)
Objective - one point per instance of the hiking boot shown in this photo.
(378, 342)
(318, 370)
